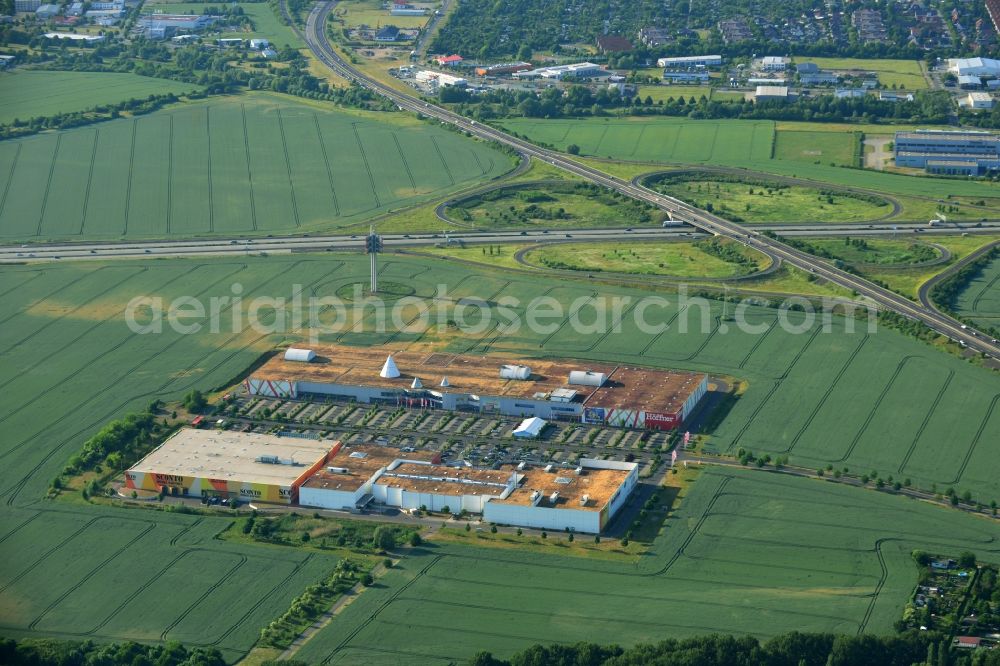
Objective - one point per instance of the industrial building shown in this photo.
(771, 94)
(161, 26)
(688, 62)
(974, 67)
(977, 101)
(582, 499)
(774, 63)
(503, 69)
(616, 395)
(253, 467)
(558, 72)
(685, 75)
(439, 79)
(948, 152)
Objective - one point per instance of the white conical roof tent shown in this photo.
(389, 369)
(416, 383)
(445, 382)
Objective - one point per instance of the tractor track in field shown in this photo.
(170, 169)
(107, 350)
(112, 285)
(878, 401)
(326, 163)
(927, 417)
(757, 344)
(826, 395)
(48, 184)
(90, 574)
(368, 169)
(246, 151)
(10, 178)
(36, 274)
(242, 559)
(44, 556)
(979, 297)
(975, 440)
(208, 170)
(260, 602)
(18, 527)
(562, 324)
(350, 636)
(444, 162)
(406, 166)
(190, 526)
(90, 182)
(14, 490)
(774, 388)
(878, 586)
(288, 169)
(603, 593)
(131, 171)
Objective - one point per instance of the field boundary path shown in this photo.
(342, 602)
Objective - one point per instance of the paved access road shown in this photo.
(317, 41)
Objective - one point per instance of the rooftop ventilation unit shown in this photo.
(563, 480)
(579, 470)
(548, 468)
(358, 454)
(554, 497)
(389, 369)
(416, 383)
(584, 500)
(520, 372)
(338, 470)
(536, 497)
(587, 378)
(300, 355)
(520, 466)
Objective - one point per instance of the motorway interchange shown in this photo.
(317, 41)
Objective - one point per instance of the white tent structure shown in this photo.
(389, 369)
(416, 383)
(529, 428)
(300, 355)
(445, 382)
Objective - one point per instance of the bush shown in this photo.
(415, 539)
(384, 538)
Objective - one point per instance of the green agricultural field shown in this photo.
(676, 259)
(248, 165)
(901, 73)
(572, 205)
(735, 143)
(26, 94)
(747, 553)
(772, 202)
(980, 300)
(839, 397)
(836, 148)
(656, 140)
(665, 92)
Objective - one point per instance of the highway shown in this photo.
(316, 39)
(282, 244)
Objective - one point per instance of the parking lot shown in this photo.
(477, 439)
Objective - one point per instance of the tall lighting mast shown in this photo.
(373, 245)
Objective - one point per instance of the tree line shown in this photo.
(928, 107)
(913, 648)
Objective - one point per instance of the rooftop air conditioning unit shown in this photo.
(520, 372)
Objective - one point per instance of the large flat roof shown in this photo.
(361, 461)
(599, 485)
(629, 387)
(442, 480)
(232, 456)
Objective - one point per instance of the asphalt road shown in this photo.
(316, 39)
(243, 245)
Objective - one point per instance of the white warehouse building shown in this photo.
(582, 499)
